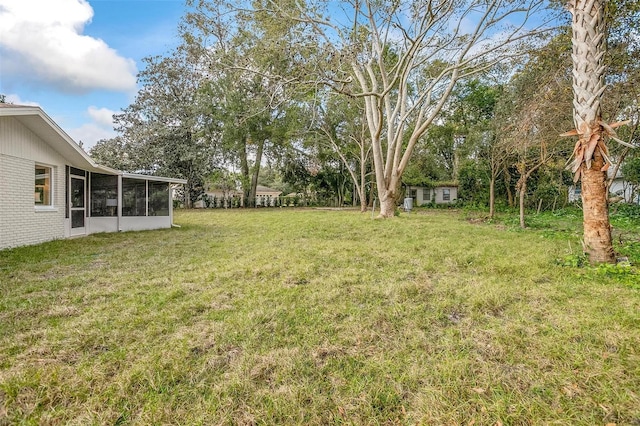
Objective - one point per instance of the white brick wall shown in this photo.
(20, 222)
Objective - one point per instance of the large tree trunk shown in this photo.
(595, 208)
(388, 193)
(387, 206)
(588, 40)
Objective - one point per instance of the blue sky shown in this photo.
(77, 59)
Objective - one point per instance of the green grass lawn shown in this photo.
(320, 317)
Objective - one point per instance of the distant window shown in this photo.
(104, 195)
(426, 196)
(446, 195)
(158, 199)
(42, 194)
(134, 197)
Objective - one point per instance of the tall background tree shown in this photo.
(160, 132)
(404, 60)
(246, 65)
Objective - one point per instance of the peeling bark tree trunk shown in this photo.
(389, 197)
(588, 40)
(595, 206)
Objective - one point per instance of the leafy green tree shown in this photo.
(621, 99)
(163, 127)
(223, 180)
(474, 181)
(114, 153)
(532, 113)
(247, 105)
(463, 138)
(296, 171)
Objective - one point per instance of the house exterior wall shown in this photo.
(140, 223)
(102, 224)
(453, 194)
(422, 195)
(419, 194)
(21, 222)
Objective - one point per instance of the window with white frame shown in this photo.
(446, 194)
(42, 193)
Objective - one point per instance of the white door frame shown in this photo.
(79, 230)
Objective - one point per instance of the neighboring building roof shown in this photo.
(36, 120)
(436, 185)
(261, 188)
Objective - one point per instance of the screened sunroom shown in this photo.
(102, 202)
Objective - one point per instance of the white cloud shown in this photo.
(100, 127)
(89, 134)
(101, 116)
(42, 41)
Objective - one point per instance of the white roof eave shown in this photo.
(153, 178)
(41, 124)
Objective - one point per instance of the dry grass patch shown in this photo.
(315, 317)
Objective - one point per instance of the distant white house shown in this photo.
(620, 187)
(51, 189)
(439, 194)
(265, 196)
(575, 193)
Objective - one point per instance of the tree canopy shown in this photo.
(353, 100)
